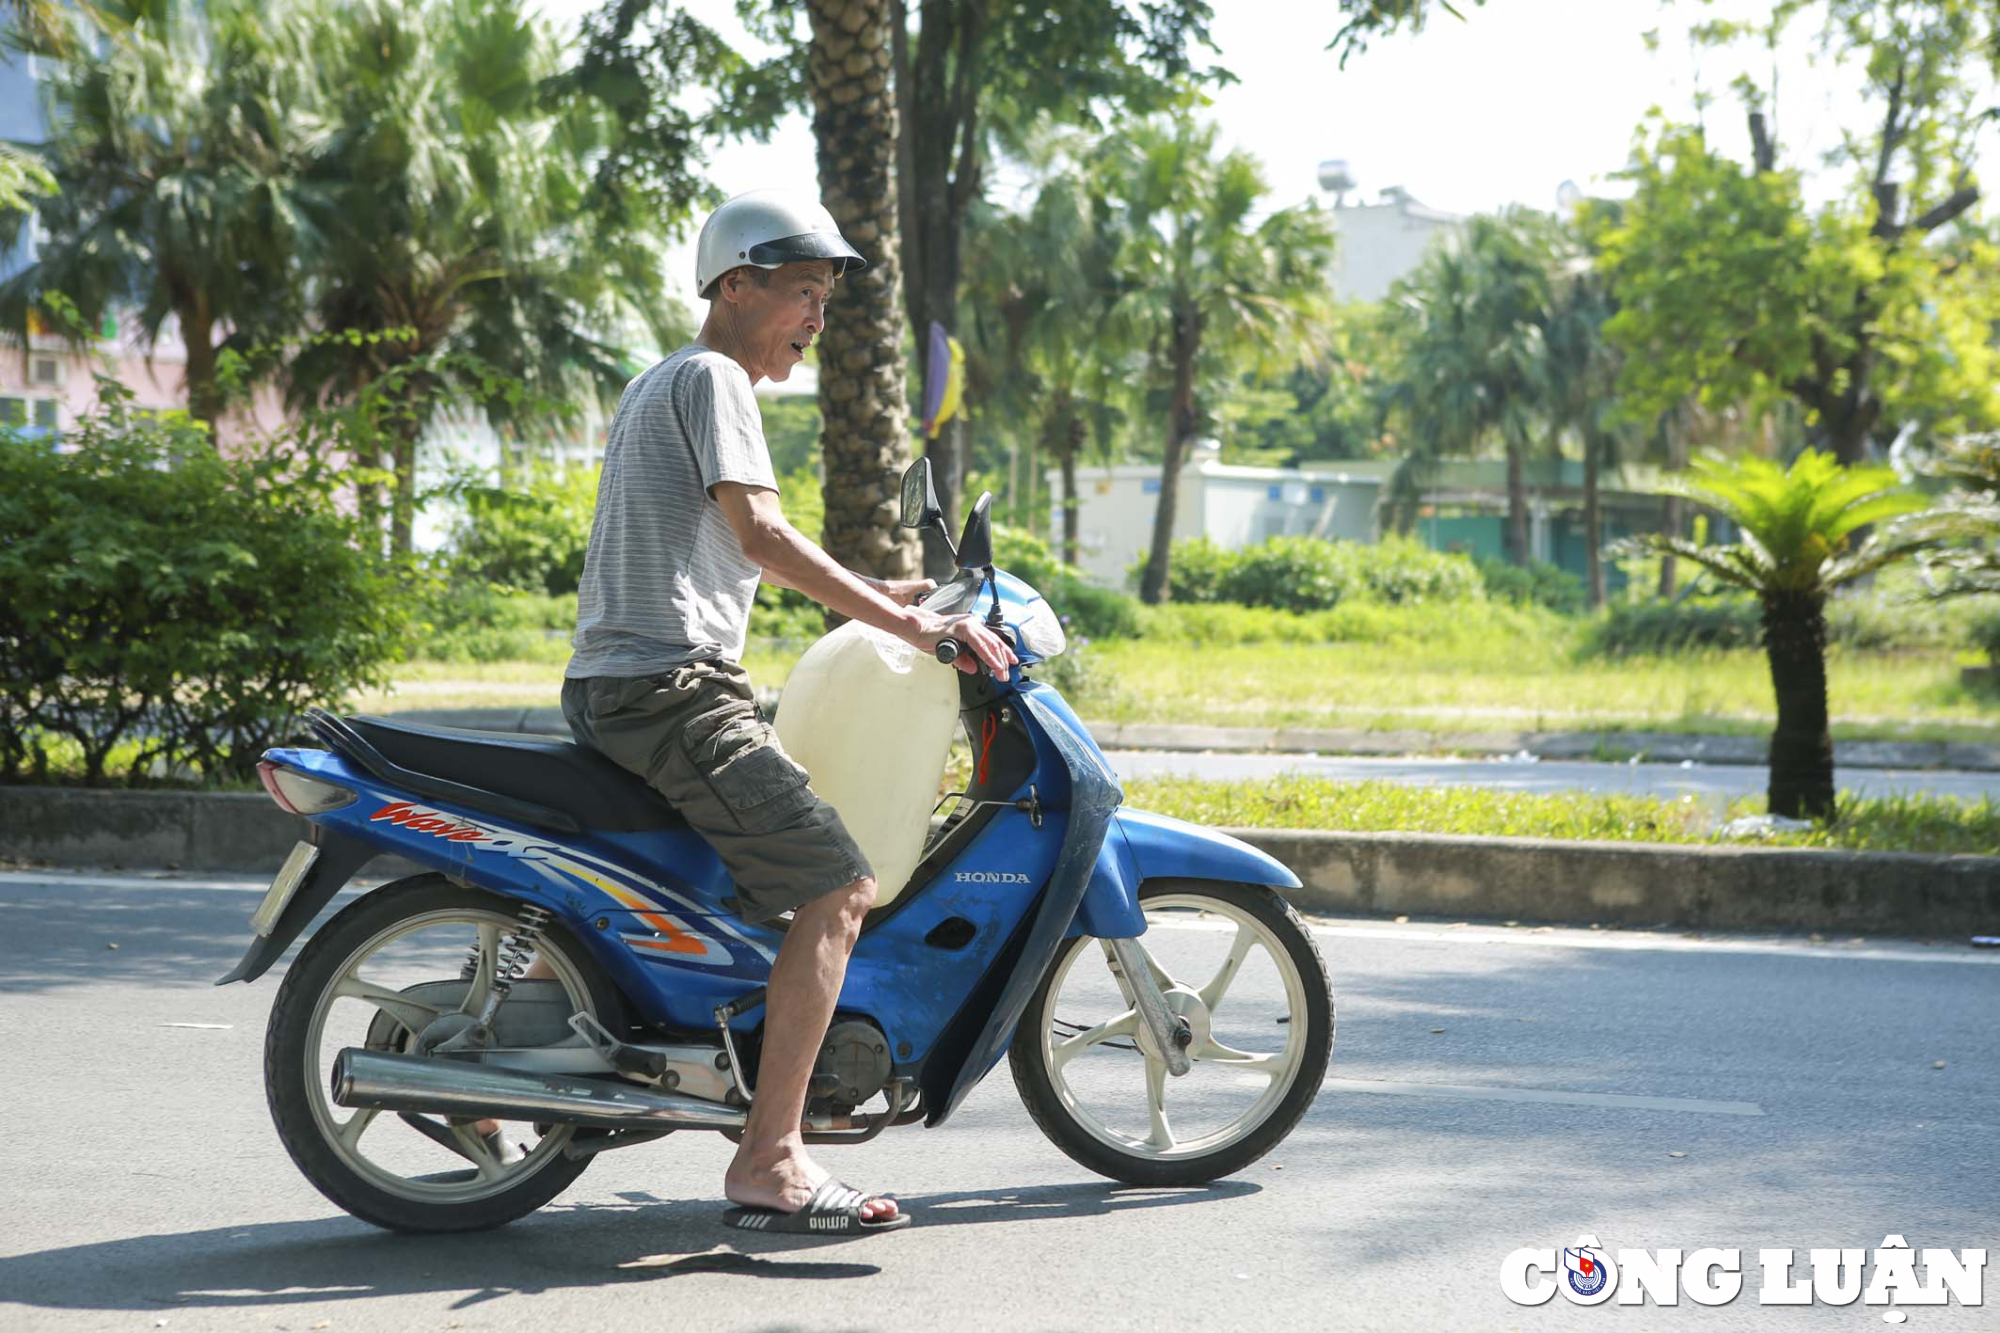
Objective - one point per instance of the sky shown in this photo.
(1469, 116)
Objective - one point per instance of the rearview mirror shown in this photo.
(920, 503)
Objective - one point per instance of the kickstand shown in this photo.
(724, 1013)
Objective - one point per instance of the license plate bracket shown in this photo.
(290, 875)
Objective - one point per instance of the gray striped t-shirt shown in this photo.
(665, 581)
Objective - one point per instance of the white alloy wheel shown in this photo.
(1240, 970)
(405, 1161)
(390, 973)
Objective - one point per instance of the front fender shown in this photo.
(1164, 848)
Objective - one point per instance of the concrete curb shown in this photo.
(1637, 884)
(1526, 879)
(1654, 746)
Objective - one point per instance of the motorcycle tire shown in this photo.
(1040, 1074)
(301, 1107)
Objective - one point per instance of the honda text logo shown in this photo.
(1586, 1274)
(990, 877)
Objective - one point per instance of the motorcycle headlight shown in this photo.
(1042, 631)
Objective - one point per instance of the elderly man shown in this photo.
(688, 522)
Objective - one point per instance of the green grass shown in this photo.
(1899, 823)
(521, 684)
(1916, 823)
(1522, 684)
(1518, 685)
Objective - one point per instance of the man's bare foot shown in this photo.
(784, 1178)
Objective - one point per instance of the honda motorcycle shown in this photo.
(1166, 1016)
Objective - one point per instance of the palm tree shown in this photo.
(1965, 524)
(464, 246)
(1510, 282)
(176, 154)
(865, 441)
(1476, 364)
(1039, 309)
(1204, 289)
(1435, 390)
(1796, 529)
(1582, 378)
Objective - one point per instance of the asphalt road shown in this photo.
(1491, 1089)
(1716, 782)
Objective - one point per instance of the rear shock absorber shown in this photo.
(517, 950)
(511, 959)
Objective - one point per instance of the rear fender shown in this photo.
(339, 858)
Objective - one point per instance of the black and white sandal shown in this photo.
(833, 1210)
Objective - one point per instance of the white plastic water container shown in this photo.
(871, 719)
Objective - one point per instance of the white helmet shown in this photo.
(768, 229)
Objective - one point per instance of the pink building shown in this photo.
(48, 384)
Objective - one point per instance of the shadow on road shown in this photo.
(583, 1245)
(63, 935)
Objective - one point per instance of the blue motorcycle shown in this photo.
(564, 974)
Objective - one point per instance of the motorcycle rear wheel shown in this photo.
(1073, 1055)
(437, 1176)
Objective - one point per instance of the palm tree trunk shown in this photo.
(367, 458)
(1593, 525)
(1155, 583)
(1671, 523)
(403, 505)
(1801, 784)
(865, 440)
(1031, 518)
(1517, 500)
(937, 103)
(203, 396)
(1069, 447)
(1672, 517)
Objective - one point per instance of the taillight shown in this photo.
(297, 794)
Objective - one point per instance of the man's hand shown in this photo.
(903, 592)
(970, 631)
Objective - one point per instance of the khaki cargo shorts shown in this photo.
(695, 736)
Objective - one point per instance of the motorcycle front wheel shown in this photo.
(1240, 969)
(402, 969)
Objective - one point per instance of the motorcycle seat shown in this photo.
(545, 771)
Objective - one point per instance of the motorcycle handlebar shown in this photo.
(947, 651)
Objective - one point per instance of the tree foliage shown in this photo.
(464, 216)
(176, 153)
(1962, 531)
(1204, 289)
(1476, 364)
(1043, 358)
(1734, 291)
(1367, 21)
(157, 595)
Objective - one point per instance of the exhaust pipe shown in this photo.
(384, 1081)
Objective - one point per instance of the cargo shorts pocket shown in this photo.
(759, 785)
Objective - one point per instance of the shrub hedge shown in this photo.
(1889, 617)
(1538, 583)
(180, 606)
(531, 536)
(1305, 574)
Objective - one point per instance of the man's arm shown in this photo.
(790, 560)
(900, 591)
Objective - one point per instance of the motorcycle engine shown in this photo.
(853, 1063)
